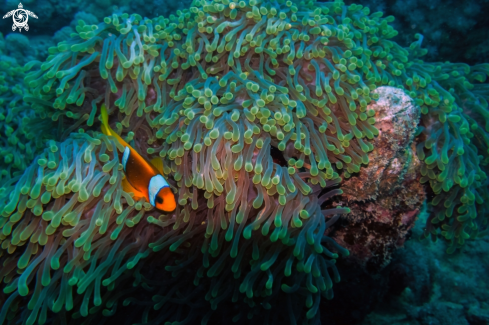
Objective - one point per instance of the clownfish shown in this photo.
(142, 177)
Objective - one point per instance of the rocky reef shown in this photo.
(386, 196)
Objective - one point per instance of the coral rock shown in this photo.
(385, 197)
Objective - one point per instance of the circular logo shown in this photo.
(20, 17)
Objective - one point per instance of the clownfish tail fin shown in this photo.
(104, 117)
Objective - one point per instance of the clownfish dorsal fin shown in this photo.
(106, 129)
(157, 163)
(104, 116)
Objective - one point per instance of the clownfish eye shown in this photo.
(159, 200)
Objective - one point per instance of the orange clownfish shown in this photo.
(143, 178)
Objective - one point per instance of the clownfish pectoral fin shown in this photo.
(127, 187)
(157, 163)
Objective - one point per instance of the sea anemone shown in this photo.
(22, 133)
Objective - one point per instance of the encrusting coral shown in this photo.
(386, 196)
(222, 92)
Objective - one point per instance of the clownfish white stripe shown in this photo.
(155, 185)
(125, 157)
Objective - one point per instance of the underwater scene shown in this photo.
(243, 162)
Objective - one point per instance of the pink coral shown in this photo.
(386, 196)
